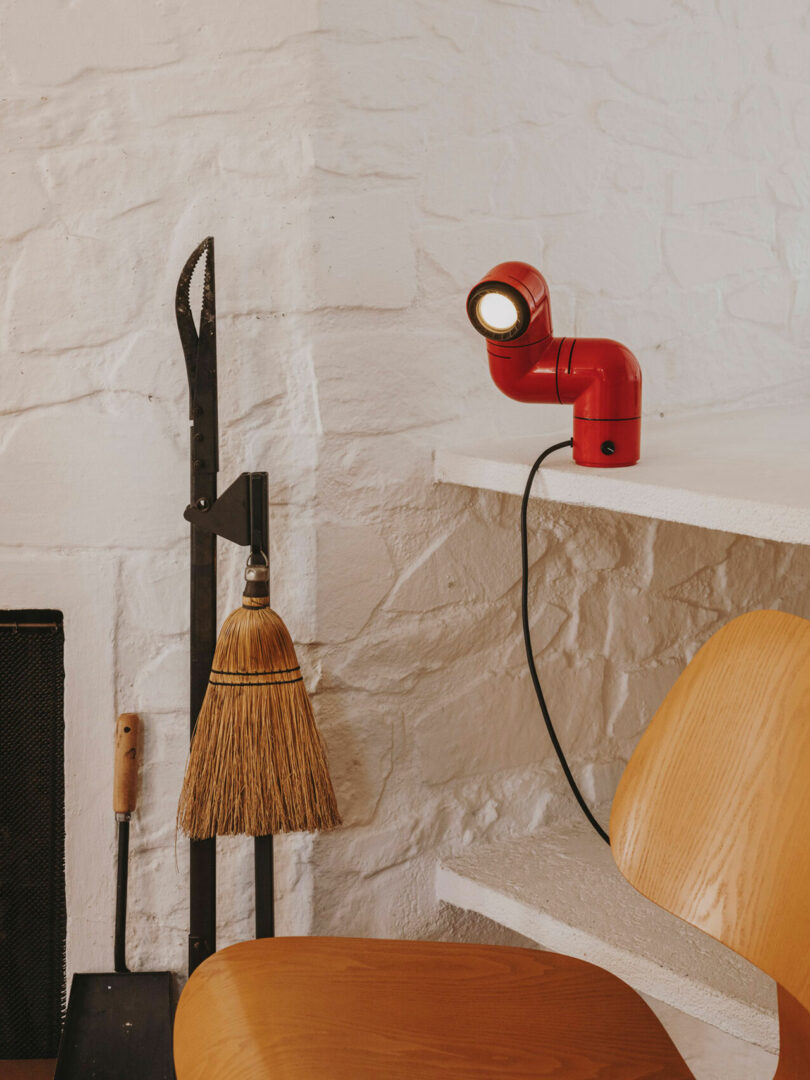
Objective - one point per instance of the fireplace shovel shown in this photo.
(119, 1026)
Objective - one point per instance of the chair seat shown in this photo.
(361, 1009)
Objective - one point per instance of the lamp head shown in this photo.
(509, 300)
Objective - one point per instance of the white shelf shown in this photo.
(561, 889)
(713, 1054)
(741, 472)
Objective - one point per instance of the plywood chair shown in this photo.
(711, 821)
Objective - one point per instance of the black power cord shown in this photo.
(527, 637)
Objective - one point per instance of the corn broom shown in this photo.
(257, 764)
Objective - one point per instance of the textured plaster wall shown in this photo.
(360, 165)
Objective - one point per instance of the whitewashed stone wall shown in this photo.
(360, 165)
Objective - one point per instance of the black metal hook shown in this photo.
(200, 351)
(238, 515)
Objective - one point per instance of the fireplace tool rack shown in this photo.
(239, 515)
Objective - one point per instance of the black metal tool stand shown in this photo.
(238, 515)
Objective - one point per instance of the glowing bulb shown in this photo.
(497, 312)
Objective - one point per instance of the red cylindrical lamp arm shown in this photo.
(600, 378)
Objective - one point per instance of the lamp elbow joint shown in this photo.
(523, 374)
(605, 381)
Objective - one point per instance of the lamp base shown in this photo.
(607, 444)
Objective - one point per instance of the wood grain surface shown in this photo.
(125, 781)
(30, 1069)
(357, 1009)
(712, 816)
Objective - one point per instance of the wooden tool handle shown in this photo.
(125, 783)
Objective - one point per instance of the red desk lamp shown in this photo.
(600, 378)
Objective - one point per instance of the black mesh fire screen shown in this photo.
(32, 833)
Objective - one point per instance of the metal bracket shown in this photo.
(238, 515)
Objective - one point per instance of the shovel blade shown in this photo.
(118, 1027)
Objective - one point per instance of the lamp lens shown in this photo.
(497, 312)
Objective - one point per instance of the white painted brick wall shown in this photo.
(361, 163)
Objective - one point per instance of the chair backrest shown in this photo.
(711, 819)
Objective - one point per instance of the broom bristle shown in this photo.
(257, 764)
